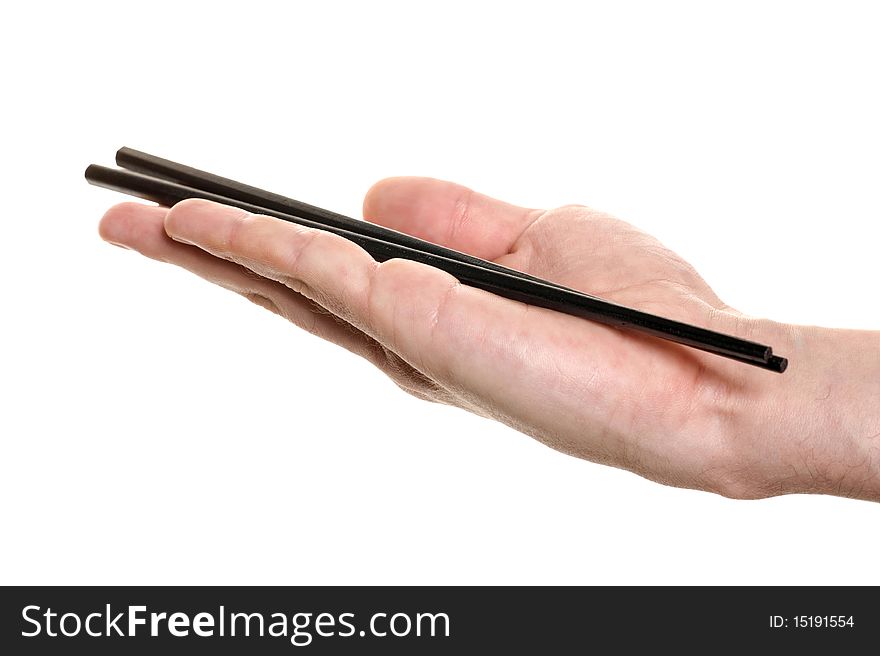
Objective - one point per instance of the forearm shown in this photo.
(815, 429)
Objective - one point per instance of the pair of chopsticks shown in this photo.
(166, 182)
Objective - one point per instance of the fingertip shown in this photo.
(197, 215)
(448, 214)
(107, 225)
(190, 207)
(383, 193)
(121, 223)
(423, 207)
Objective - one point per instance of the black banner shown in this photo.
(420, 620)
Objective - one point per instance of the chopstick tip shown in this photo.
(778, 364)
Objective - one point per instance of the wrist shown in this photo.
(815, 428)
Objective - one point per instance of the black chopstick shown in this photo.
(501, 283)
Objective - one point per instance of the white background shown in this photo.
(156, 429)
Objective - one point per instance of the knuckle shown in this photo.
(235, 235)
(294, 254)
(376, 307)
(461, 213)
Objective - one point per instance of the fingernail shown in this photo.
(118, 245)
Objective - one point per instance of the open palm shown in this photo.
(607, 395)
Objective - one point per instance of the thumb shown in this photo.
(447, 214)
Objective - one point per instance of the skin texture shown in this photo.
(672, 414)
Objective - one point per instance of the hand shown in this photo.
(670, 413)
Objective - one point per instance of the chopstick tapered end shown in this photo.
(778, 364)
